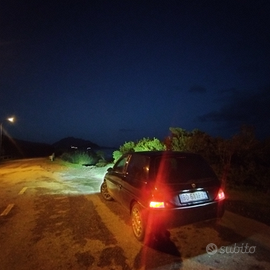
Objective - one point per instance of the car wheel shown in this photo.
(137, 222)
(104, 192)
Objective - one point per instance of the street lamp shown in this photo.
(10, 119)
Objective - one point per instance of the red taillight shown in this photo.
(157, 199)
(157, 204)
(220, 195)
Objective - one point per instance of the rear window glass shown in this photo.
(182, 169)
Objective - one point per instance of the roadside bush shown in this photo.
(145, 144)
(81, 158)
(239, 161)
(116, 155)
(101, 163)
(127, 147)
(177, 141)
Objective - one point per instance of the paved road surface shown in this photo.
(52, 217)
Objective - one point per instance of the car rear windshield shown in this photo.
(175, 169)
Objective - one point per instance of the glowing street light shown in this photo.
(10, 119)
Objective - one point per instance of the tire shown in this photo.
(137, 222)
(104, 192)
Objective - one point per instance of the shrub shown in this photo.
(116, 155)
(127, 147)
(101, 163)
(145, 144)
(81, 158)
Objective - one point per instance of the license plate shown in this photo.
(194, 196)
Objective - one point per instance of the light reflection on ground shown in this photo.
(81, 180)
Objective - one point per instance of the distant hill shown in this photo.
(74, 143)
(17, 148)
(24, 149)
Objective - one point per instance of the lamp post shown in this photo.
(10, 119)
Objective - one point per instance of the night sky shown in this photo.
(115, 71)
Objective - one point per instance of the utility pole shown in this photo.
(1, 137)
(10, 119)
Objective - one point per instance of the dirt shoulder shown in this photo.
(249, 203)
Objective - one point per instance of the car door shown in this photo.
(115, 177)
(134, 180)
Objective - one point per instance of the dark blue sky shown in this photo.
(114, 71)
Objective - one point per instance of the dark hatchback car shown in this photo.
(163, 189)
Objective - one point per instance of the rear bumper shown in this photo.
(176, 217)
